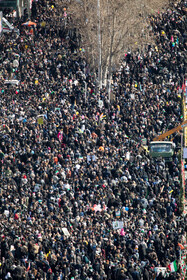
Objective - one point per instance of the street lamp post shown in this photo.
(85, 90)
(99, 43)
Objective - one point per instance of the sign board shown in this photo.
(6, 212)
(100, 103)
(12, 82)
(118, 214)
(159, 270)
(40, 121)
(117, 225)
(15, 63)
(65, 232)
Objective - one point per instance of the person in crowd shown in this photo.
(71, 167)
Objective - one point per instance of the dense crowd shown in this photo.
(73, 168)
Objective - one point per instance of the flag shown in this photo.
(29, 266)
(102, 116)
(181, 246)
(173, 266)
(48, 254)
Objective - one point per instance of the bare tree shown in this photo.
(123, 25)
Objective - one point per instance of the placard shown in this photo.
(118, 225)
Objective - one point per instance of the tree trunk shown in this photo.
(110, 58)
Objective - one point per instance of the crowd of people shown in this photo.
(80, 197)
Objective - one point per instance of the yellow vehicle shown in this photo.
(165, 149)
